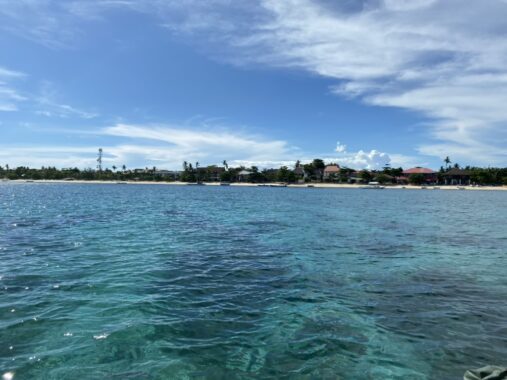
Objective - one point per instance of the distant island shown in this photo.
(316, 171)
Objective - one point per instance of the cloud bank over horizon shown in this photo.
(167, 146)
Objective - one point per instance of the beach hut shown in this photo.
(456, 176)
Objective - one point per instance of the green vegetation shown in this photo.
(313, 171)
(416, 179)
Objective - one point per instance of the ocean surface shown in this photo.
(169, 282)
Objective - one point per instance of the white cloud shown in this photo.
(201, 142)
(9, 96)
(369, 160)
(340, 148)
(446, 59)
(443, 59)
(161, 146)
(49, 106)
(6, 73)
(63, 111)
(405, 5)
(373, 159)
(167, 146)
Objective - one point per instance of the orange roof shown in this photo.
(418, 170)
(332, 169)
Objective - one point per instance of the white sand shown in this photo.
(315, 185)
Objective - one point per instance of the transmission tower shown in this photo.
(99, 160)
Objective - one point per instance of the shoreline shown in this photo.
(250, 184)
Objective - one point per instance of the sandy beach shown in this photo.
(248, 184)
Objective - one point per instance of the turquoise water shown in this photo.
(167, 282)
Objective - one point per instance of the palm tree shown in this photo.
(447, 161)
(226, 165)
(123, 167)
(114, 168)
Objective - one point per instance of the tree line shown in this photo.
(308, 172)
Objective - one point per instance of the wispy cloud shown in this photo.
(63, 111)
(9, 95)
(209, 145)
(41, 21)
(6, 73)
(151, 145)
(48, 104)
(167, 146)
(445, 59)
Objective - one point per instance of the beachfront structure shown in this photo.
(456, 176)
(429, 176)
(331, 172)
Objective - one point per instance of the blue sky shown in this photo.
(267, 82)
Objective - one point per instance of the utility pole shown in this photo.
(99, 160)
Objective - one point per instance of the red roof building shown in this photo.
(429, 176)
(331, 170)
(418, 170)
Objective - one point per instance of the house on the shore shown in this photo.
(428, 175)
(456, 176)
(331, 172)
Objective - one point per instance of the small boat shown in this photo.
(310, 186)
(225, 184)
(29, 180)
(424, 187)
(373, 185)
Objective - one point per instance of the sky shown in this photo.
(362, 83)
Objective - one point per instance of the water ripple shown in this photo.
(155, 282)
